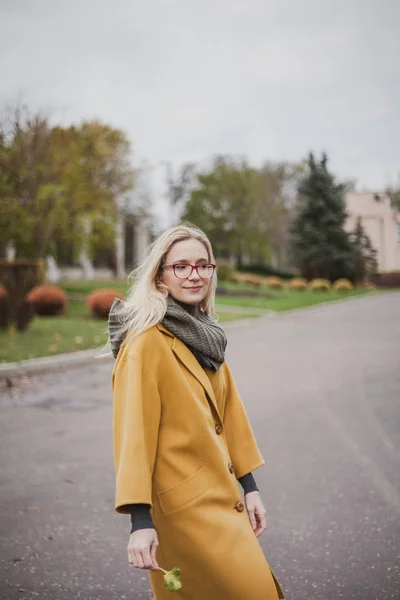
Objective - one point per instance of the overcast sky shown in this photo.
(269, 79)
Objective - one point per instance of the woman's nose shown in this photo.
(194, 275)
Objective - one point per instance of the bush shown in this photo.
(48, 300)
(342, 285)
(275, 283)
(266, 270)
(253, 280)
(225, 270)
(390, 279)
(247, 278)
(320, 285)
(100, 301)
(298, 284)
(239, 277)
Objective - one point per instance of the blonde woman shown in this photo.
(182, 437)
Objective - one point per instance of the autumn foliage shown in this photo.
(100, 301)
(48, 300)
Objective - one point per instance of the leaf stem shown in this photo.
(163, 570)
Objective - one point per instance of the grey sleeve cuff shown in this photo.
(141, 517)
(248, 483)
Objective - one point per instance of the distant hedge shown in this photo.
(390, 279)
(266, 270)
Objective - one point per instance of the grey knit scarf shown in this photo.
(200, 332)
(204, 337)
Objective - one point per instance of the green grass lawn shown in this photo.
(55, 335)
(85, 287)
(280, 300)
(79, 331)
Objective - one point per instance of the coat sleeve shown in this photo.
(242, 444)
(136, 420)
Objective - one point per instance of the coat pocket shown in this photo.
(184, 492)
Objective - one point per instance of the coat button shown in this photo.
(218, 428)
(231, 467)
(239, 506)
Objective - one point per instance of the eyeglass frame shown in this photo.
(194, 268)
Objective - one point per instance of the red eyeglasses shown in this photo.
(183, 271)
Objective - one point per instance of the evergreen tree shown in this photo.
(365, 255)
(319, 245)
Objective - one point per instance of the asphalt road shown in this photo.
(322, 390)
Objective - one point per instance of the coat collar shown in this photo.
(187, 357)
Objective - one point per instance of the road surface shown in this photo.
(322, 390)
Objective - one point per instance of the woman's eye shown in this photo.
(180, 267)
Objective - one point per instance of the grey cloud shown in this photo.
(189, 79)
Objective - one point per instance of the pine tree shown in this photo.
(365, 255)
(319, 245)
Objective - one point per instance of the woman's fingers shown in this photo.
(153, 551)
(144, 558)
(138, 558)
(142, 548)
(261, 523)
(131, 556)
(252, 518)
(147, 559)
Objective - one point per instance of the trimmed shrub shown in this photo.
(320, 285)
(248, 278)
(253, 280)
(238, 277)
(276, 283)
(225, 270)
(298, 284)
(265, 271)
(342, 285)
(99, 301)
(390, 279)
(48, 300)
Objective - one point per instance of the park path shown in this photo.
(322, 390)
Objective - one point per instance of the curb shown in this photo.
(46, 364)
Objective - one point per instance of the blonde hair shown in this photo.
(146, 300)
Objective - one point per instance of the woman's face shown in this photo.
(192, 289)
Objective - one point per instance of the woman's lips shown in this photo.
(194, 289)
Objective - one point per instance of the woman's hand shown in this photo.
(256, 511)
(142, 548)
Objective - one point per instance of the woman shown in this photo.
(181, 434)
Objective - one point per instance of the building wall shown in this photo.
(381, 223)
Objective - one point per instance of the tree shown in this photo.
(54, 180)
(393, 191)
(278, 202)
(179, 188)
(92, 162)
(365, 255)
(223, 205)
(245, 211)
(320, 246)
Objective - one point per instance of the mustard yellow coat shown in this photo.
(181, 439)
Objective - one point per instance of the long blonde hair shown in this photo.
(146, 300)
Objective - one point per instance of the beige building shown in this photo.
(381, 223)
